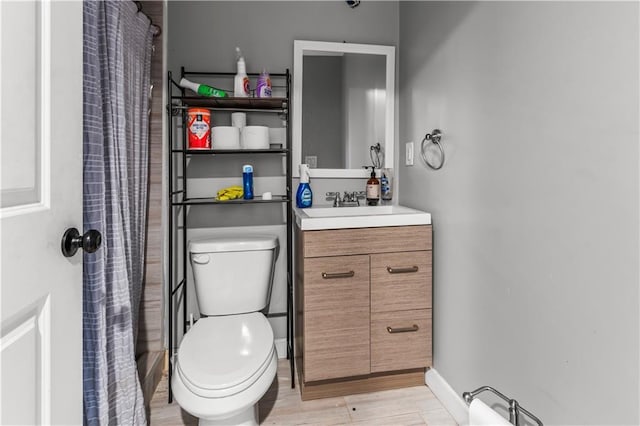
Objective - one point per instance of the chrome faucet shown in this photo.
(337, 202)
(335, 196)
(348, 199)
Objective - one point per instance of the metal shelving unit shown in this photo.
(179, 200)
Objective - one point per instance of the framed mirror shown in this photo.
(343, 104)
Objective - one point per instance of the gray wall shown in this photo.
(203, 36)
(535, 212)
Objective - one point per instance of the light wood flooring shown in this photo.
(281, 405)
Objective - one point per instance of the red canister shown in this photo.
(199, 128)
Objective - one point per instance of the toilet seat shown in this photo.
(222, 356)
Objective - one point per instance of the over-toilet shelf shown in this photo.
(181, 198)
(248, 104)
(212, 152)
(212, 201)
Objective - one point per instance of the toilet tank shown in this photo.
(233, 275)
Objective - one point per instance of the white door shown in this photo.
(41, 189)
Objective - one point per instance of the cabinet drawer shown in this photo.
(336, 343)
(336, 283)
(339, 242)
(400, 340)
(401, 281)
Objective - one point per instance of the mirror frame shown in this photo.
(300, 47)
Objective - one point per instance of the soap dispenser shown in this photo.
(373, 188)
(304, 196)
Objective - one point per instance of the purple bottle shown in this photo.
(263, 88)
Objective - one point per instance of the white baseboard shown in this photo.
(453, 403)
(281, 347)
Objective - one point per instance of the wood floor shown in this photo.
(281, 405)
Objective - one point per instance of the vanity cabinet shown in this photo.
(364, 309)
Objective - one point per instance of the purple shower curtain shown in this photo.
(117, 63)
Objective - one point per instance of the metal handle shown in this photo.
(401, 270)
(403, 329)
(72, 241)
(329, 275)
(434, 137)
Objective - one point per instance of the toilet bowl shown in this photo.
(224, 366)
(227, 361)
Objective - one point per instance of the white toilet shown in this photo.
(227, 360)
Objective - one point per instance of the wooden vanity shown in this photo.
(363, 309)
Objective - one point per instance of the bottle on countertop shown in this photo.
(241, 80)
(304, 196)
(203, 89)
(386, 185)
(247, 181)
(373, 188)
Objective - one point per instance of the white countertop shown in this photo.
(327, 217)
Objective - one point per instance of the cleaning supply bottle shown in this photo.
(385, 185)
(247, 181)
(203, 89)
(304, 196)
(241, 80)
(373, 188)
(263, 88)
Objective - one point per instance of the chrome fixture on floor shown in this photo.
(514, 408)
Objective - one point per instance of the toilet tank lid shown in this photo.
(226, 244)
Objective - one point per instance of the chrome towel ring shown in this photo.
(434, 137)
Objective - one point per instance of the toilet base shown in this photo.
(248, 417)
(242, 407)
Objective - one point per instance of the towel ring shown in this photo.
(434, 137)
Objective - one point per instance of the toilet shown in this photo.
(227, 360)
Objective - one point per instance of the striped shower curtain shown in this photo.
(117, 63)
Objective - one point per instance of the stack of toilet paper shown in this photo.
(241, 136)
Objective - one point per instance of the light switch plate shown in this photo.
(408, 158)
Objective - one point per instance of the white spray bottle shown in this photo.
(241, 81)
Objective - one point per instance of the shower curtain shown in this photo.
(117, 63)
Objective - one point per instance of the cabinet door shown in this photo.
(336, 318)
(400, 281)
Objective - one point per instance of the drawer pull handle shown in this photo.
(328, 276)
(402, 270)
(403, 329)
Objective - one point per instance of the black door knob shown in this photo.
(72, 240)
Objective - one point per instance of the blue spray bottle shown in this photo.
(247, 181)
(304, 196)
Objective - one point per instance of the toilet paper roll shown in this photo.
(225, 137)
(480, 414)
(239, 120)
(255, 137)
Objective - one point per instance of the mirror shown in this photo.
(343, 103)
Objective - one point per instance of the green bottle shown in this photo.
(203, 89)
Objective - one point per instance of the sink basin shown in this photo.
(356, 211)
(317, 218)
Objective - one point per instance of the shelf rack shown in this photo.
(179, 200)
